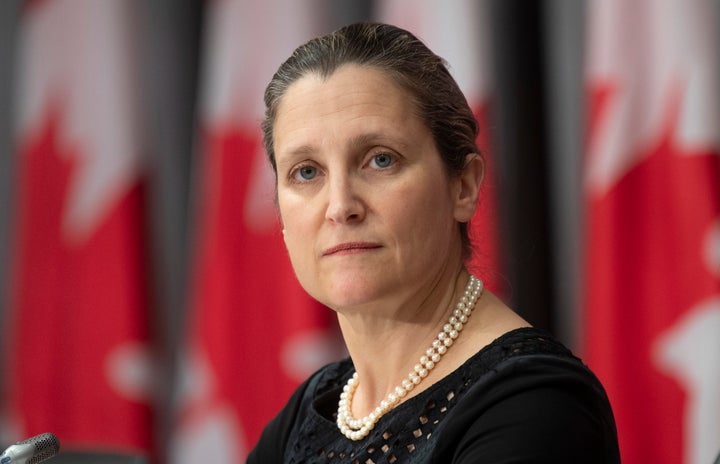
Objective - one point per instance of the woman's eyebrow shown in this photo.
(301, 151)
(376, 138)
(358, 142)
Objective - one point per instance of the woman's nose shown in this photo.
(344, 204)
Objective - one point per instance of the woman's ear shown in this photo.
(468, 190)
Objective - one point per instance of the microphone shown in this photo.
(31, 451)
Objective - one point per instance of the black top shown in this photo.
(524, 398)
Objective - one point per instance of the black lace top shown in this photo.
(522, 399)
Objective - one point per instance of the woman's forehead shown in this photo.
(351, 94)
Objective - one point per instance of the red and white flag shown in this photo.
(254, 334)
(652, 319)
(77, 330)
(458, 31)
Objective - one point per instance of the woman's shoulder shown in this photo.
(526, 364)
(527, 357)
(280, 428)
(521, 342)
(531, 387)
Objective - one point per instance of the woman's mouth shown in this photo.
(350, 247)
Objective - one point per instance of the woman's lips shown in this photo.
(350, 247)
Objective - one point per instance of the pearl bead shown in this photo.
(357, 429)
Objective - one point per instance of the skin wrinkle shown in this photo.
(400, 294)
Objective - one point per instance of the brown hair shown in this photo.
(402, 56)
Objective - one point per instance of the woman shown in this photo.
(373, 147)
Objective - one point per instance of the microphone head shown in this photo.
(34, 450)
(46, 445)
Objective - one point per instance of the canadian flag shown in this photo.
(77, 334)
(458, 31)
(653, 231)
(254, 334)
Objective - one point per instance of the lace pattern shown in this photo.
(408, 432)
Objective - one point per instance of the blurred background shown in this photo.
(147, 306)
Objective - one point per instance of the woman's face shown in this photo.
(368, 210)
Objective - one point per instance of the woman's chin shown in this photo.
(351, 292)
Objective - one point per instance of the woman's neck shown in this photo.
(385, 344)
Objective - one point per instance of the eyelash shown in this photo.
(295, 173)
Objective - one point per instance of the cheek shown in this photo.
(293, 250)
(299, 254)
(297, 235)
(430, 218)
(292, 230)
(288, 213)
(428, 206)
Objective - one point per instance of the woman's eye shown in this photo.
(382, 160)
(306, 172)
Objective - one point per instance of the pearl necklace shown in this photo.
(357, 429)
